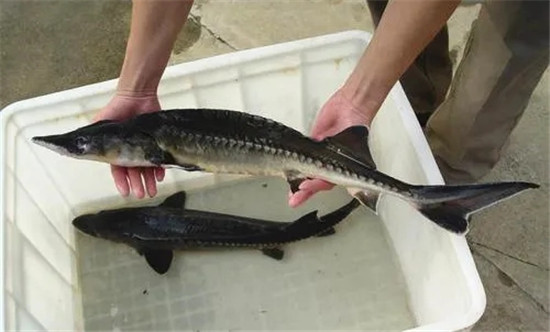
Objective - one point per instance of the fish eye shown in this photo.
(82, 144)
(81, 141)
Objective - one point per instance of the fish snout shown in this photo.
(57, 143)
(46, 140)
(85, 225)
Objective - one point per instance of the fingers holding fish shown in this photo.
(316, 185)
(138, 179)
(149, 178)
(159, 174)
(307, 189)
(132, 179)
(134, 175)
(120, 177)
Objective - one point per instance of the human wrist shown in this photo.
(140, 99)
(137, 82)
(142, 70)
(364, 95)
(136, 93)
(153, 31)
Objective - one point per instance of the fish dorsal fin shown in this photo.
(304, 222)
(176, 200)
(275, 253)
(353, 143)
(159, 260)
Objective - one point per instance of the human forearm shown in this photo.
(407, 26)
(155, 26)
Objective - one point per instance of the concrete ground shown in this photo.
(52, 46)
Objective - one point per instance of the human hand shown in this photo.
(121, 107)
(337, 114)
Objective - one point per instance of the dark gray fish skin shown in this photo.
(222, 141)
(169, 226)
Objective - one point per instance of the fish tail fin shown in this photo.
(341, 213)
(451, 206)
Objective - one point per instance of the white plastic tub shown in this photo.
(395, 271)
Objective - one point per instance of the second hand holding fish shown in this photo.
(337, 114)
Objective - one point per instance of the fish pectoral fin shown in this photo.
(158, 260)
(275, 253)
(353, 143)
(367, 198)
(295, 184)
(176, 200)
(159, 157)
(327, 232)
(294, 180)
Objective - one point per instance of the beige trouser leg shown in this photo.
(506, 55)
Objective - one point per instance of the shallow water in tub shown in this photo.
(349, 280)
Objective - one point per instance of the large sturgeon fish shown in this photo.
(223, 141)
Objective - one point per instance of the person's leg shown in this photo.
(506, 55)
(427, 80)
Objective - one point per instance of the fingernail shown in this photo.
(160, 176)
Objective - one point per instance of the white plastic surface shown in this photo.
(320, 283)
(44, 265)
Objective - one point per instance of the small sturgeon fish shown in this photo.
(222, 141)
(155, 231)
